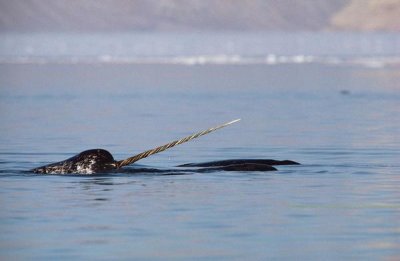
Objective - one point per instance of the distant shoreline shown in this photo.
(199, 15)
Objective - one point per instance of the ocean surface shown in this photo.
(337, 113)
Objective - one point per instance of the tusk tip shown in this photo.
(231, 122)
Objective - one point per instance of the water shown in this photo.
(371, 49)
(340, 122)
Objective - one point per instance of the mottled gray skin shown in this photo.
(101, 161)
(86, 162)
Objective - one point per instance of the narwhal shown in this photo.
(101, 161)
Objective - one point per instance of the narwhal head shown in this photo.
(86, 162)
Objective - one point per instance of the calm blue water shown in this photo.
(341, 122)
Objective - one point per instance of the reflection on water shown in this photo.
(342, 202)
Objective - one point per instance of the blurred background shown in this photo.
(198, 15)
(198, 31)
(314, 81)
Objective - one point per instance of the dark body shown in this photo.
(101, 161)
